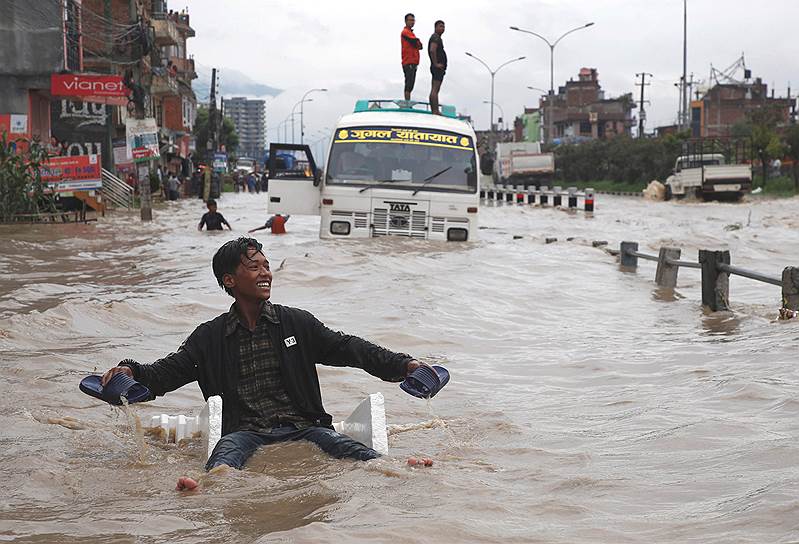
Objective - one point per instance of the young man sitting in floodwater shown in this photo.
(261, 358)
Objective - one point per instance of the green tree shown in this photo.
(21, 187)
(767, 146)
(766, 143)
(792, 151)
(228, 136)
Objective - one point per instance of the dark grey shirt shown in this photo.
(263, 397)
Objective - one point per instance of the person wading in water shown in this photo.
(261, 358)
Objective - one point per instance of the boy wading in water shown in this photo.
(261, 358)
(212, 219)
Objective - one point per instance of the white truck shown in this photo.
(522, 163)
(394, 169)
(711, 175)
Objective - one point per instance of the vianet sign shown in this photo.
(77, 85)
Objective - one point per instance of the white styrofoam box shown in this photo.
(367, 423)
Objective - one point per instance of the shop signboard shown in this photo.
(76, 173)
(79, 127)
(142, 139)
(15, 126)
(104, 89)
(220, 162)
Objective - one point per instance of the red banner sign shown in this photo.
(87, 86)
(76, 173)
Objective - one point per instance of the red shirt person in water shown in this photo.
(410, 53)
(277, 223)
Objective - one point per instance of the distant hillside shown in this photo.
(232, 83)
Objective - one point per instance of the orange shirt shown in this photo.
(278, 225)
(410, 51)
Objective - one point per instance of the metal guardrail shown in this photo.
(543, 196)
(116, 192)
(716, 270)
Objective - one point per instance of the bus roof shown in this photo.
(405, 119)
(396, 105)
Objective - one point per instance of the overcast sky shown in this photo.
(352, 47)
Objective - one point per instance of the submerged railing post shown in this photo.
(588, 201)
(715, 282)
(556, 196)
(572, 197)
(790, 288)
(666, 274)
(627, 260)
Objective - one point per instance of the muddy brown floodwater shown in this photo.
(584, 406)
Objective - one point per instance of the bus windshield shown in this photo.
(404, 158)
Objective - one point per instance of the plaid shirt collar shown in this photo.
(267, 312)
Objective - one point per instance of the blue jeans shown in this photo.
(235, 448)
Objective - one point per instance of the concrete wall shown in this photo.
(31, 48)
(31, 38)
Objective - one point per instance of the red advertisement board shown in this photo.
(108, 89)
(76, 173)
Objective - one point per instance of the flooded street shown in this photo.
(584, 405)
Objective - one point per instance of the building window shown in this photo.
(585, 127)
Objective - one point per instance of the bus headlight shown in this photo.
(457, 235)
(342, 228)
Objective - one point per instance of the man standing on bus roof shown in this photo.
(438, 64)
(410, 53)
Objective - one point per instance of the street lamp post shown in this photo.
(493, 73)
(294, 111)
(302, 118)
(501, 111)
(551, 45)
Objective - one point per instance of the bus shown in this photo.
(393, 169)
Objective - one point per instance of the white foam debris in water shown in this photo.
(408, 427)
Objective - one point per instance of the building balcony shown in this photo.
(166, 32)
(163, 83)
(182, 21)
(185, 68)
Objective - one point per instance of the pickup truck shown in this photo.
(522, 163)
(709, 176)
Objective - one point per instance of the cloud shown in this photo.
(352, 47)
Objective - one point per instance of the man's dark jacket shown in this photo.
(211, 357)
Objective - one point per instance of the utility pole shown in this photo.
(145, 196)
(642, 111)
(211, 146)
(212, 138)
(221, 120)
(684, 91)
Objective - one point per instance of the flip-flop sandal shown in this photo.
(425, 382)
(120, 385)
